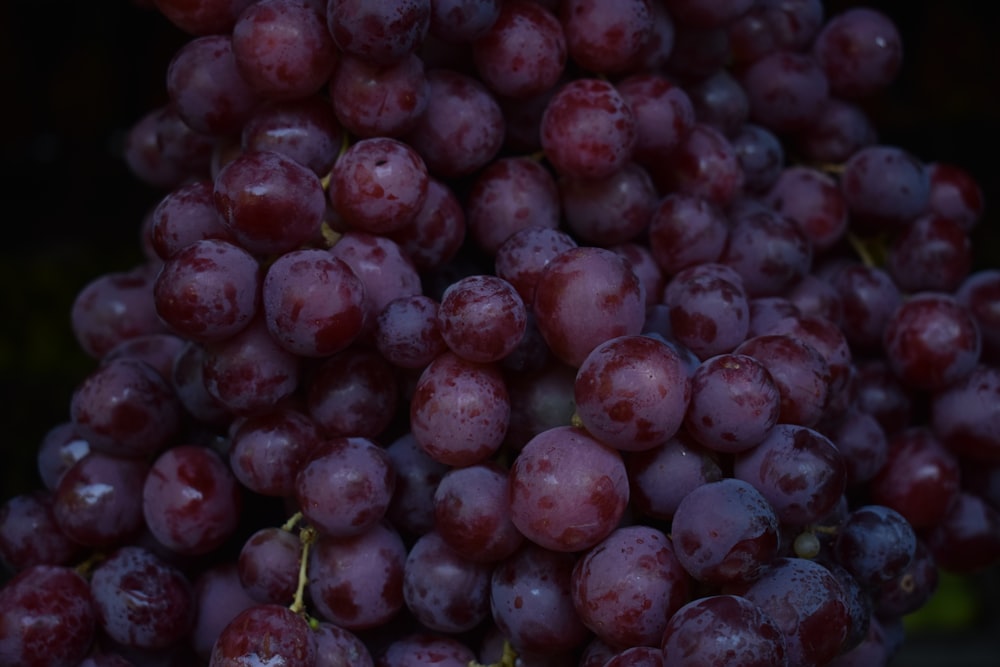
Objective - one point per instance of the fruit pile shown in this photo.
(496, 332)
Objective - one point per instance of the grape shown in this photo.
(531, 600)
(303, 129)
(909, 590)
(98, 502)
(268, 565)
(588, 130)
(685, 231)
(663, 111)
(720, 102)
(140, 600)
(884, 186)
(283, 48)
(875, 544)
(48, 617)
(379, 100)
(267, 450)
(785, 90)
(445, 591)
(436, 234)
(344, 488)
(159, 350)
(378, 185)
(460, 410)
(482, 318)
(860, 51)
(30, 535)
(263, 634)
(184, 215)
(191, 500)
(540, 399)
(609, 211)
(218, 597)
(800, 372)
(868, 297)
(863, 442)
(964, 415)
(606, 35)
(812, 199)
(980, 294)
(839, 129)
(208, 290)
(567, 490)
(724, 532)
(660, 477)
(721, 630)
(521, 258)
(523, 52)
(966, 540)
(705, 165)
(201, 18)
(798, 470)
(627, 587)
(411, 509)
(424, 648)
(769, 250)
(930, 254)
(955, 194)
(631, 392)
(807, 604)
(761, 156)
(609, 297)
(352, 393)
(463, 20)
(380, 31)
(337, 647)
(709, 313)
(269, 202)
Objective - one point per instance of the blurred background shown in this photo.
(77, 75)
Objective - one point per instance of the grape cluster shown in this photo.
(571, 332)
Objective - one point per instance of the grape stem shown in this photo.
(307, 536)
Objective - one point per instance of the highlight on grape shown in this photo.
(596, 333)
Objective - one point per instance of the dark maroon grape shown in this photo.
(482, 318)
(337, 647)
(704, 632)
(567, 490)
(606, 36)
(705, 165)
(964, 415)
(184, 215)
(142, 601)
(30, 535)
(800, 372)
(267, 450)
(931, 254)
(884, 186)
(769, 251)
(521, 258)
(686, 230)
(411, 509)
(382, 31)
(659, 478)
(860, 51)
(868, 297)
(98, 502)
(955, 194)
(912, 588)
(191, 500)
(709, 312)
(305, 130)
(523, 52)
(268, 565)
(609, 211)
(980, 294)
(47, 618)
(422, 648)
(263, 634)
(353, 393)
(58, 450)
(663, 111)
(967, 539)
(812, 199)
(218, 598)
(628, 586)
(861, 439)
(785, 90)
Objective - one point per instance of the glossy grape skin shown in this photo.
(142, 601)
(337, 647)
(724, 532)
(860, 51)
(876, 544)
(885, 187)
(660, 477)
(381, 31)
(723, 631)
(47, 618)
(709, 312)
(268, 565)
(531, 601)
(267, 450)
(769, 251)
(686, 230)
(482, 318)
(800, 372)
(931, 254)
(373, 100)
(357, 582)
(305, 129)
(807, 604)
(967, 540)
(632, 392)
(98, 502)
(422, 648)
(964, 415)
(30, 535)
(436, 233)
(606, 36)
(798, 470)
(345, 486)
(567, 490)
(664, 114)
(522, 257)
(445, 591)
(931, 341)
(980, 294)
(588, 130)
(626, 587)
(353, 393)
(191, 500)
(264, 634)
(610, 297)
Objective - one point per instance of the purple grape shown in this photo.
(269, 202)
(631, 392)
(812, 199)
(357, 582)
(188, 380)
(482, 318)
(705, 165)
(523, 52)
(606, 36)
(267, 449)
(98, 502)
(807, 604)
(141, 601)
(381, 31)
(567, 490)
(609, 297)
(184, 215)
(378, 185)
(706, 14)
(337, 647)
(268, 565)
(345, 486)
(800, 372)
(645, 268)
(407, 333)
(125, 408)
(721, 102)
(980, 294)
(48, 617)
(59, 449)
(161, 150)
(875, 544)
(539, 400)
(798, 470)
(761, 155)
(660, 477)
(774, 25)
(201, 18)
(460, 410)
(839, 129)
(860, 51)
(686, 231)
(353, 393)
(862, 440)
(627, 587)
(588, 130)
(305, 130)
(436, 234)
(218, 598)
(663, 111)
(30, 534)
(159, 350)
(411, 509)
(445, 591)
(884, 186)
(521, 258)
(868, 297)
(262, 634)
(734, 403)
(206, 88)
(785, 90)
(422, 648)
(115, 307)
(769, 251)
(911, 589)
(472, 513)
(723, 630)
(462, 128)
(531, 601)
(931, 341)
(191, 500)
(611, 210)
(956, 194)
(930, 254)
(208, 290)
(378, 100)
(709, 312)
(967, 540)
(965, 417)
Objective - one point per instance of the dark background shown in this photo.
(75, 76)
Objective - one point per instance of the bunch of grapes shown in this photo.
(571, 332)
